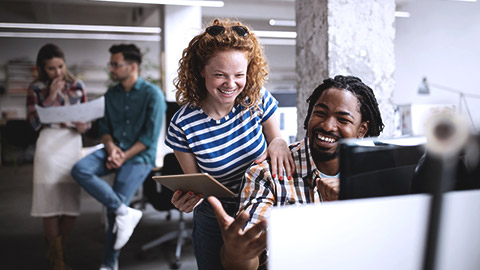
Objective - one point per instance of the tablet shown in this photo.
(201, 183)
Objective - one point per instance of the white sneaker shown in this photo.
(104, 267)
(124, 226)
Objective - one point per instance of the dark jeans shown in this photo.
(206, 235)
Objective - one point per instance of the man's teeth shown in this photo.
(226, 92)
(323, 138)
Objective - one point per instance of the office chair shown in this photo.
(159, 197)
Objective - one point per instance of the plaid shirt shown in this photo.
(37, 94)
(260, 191)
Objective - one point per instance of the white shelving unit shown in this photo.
(18, 76)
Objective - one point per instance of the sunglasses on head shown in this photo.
(216, 30)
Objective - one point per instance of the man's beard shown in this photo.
(323, 156)
(117, 79)
(320, 155)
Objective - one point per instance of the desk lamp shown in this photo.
(424, 89)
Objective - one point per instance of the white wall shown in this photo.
(441, 40)
(181, 24)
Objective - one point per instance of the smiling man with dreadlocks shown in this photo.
(342, 107)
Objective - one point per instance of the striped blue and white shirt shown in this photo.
(223, 148)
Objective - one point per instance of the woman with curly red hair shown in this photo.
(226, 122)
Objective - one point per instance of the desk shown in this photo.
(378, 233)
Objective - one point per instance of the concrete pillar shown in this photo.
(180, 25)
(346, 37)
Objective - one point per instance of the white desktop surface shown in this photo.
(378, 233)
(459, 243)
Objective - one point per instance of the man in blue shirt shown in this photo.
(129, 131)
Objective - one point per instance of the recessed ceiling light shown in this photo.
(80, 27)
(275, 34)
(402, 14)
(155, 38)
(170, 2)
(471, 1)
(274, 22)
(277, 41)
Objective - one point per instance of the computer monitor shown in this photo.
(373, 167)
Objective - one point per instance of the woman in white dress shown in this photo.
(56, 197)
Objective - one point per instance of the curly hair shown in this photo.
(366, 98)
(191, 85)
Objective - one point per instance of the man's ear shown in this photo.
(363, 129)
(136, 67)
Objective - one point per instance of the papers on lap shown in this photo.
(84, 112)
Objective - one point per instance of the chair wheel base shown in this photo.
(175, 265)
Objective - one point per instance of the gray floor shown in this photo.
(23, 245)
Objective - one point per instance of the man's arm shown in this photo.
(258, 193)
(116, 157)
(114, 153)
(241, 249)
(134, 150)
(155, 109)
(328, 188)
(108, 143)
(243, 245)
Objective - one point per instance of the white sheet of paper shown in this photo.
(84, 112)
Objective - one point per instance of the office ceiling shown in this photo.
(90, 12)
(255, 12)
